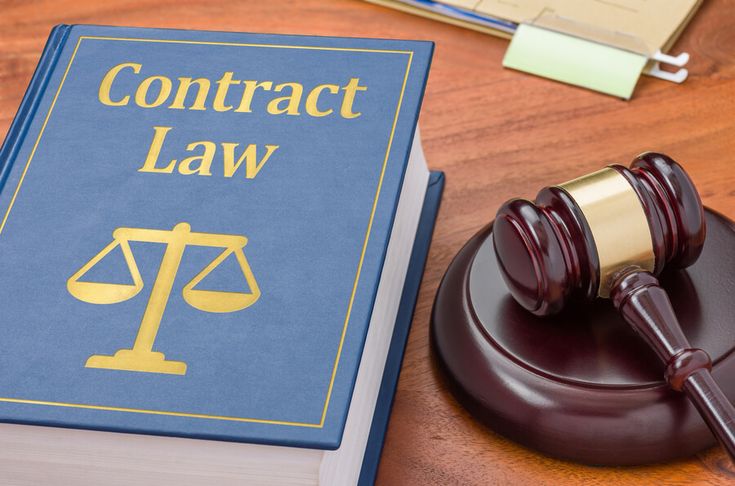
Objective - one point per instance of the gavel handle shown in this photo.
(638, 296)
(714, 407)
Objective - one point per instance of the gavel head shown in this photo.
(577, 237)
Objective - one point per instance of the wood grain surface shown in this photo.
(497, 134)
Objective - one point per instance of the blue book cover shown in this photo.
(192, 228)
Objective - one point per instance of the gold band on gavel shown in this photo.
(618, 223)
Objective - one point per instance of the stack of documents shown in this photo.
(603, 46)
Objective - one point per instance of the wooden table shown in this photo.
(496, 133)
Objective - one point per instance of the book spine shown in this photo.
(396, 352)
(28, 106)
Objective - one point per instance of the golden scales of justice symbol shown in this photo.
(142, 357)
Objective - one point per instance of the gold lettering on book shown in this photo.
(106, 85)
(158, 90)
(201, 164)
(141, 356)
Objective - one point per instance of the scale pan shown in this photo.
(101, 292)
(218, 300)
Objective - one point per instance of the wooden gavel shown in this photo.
(608, 234)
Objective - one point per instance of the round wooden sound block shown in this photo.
(582, 385)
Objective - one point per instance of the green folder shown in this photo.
(574, 60)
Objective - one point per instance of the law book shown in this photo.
(210, 251)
